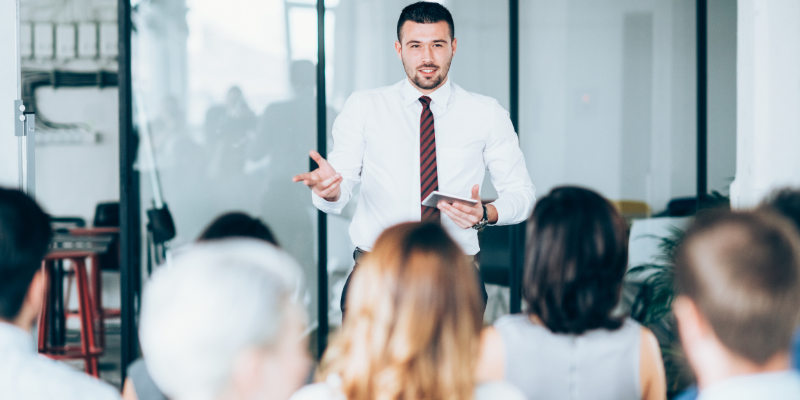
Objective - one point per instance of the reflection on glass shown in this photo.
(231, 107)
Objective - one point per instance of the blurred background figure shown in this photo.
(229, 128)
(413, 325)
(223, 323)
(287, 130)
(24, 240)
(570, 344)
(738, 288)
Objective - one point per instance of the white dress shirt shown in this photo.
(376, 143)
(774, 386)
(26, 375)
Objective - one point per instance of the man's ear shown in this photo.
(399, 49)
(692, 324)
(455, 43)
(34, 299)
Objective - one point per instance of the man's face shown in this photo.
(426, 51)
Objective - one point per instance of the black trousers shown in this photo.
(358, 253)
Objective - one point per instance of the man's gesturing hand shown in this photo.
(463, 215)
(324, 181)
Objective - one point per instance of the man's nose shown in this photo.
(427, 54)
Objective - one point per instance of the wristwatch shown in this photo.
(483, 222)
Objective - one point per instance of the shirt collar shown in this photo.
(14, 338)
(439, 97)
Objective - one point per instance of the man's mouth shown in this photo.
(427, 72)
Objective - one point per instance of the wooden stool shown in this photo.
(88, 349)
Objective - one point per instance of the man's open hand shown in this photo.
(463, 215)
(324, 181)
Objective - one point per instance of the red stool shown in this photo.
(88, 349)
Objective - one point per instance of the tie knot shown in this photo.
(425, 100)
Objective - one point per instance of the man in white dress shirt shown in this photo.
(420, 135)
(737, 277)
(24, 374)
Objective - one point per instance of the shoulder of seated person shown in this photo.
(498, 391)
(63, 382)
(317, 391)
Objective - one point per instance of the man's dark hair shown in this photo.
(237, 224)
(742, 271)
(425, 12)
(576, 257)
(787, 203)
(24, 239)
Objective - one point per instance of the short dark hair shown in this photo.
(786, 202)
(425, 12)
(576, 258)
(742, 271)
(24, 240)
(237, 224)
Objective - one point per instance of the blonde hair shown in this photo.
(413, 321)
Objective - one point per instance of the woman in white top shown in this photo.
(569, 345)
(413, 325)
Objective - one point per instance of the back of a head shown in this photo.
(24, 239)
(742, 272)
(787, 203)
(216, 300)
(413, 319)
(576, 258)
(237, 225)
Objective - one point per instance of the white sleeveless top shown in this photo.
(599, 364)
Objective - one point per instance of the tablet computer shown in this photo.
(435, 197)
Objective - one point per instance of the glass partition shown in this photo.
(225, 99)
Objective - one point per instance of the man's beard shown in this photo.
(423, 83)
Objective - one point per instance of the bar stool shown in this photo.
(88, 350)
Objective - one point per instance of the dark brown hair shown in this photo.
(741, 270)
(24, 239)
(425, 12)
(237, 224)
(576, 257)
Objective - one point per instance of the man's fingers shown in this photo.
(454, 212)
(465, 208)
(317, 158)
(331, 186)
(462, 223)
(476, 192)
(329, 181)
(301, 177)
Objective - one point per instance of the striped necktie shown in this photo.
(428, 178)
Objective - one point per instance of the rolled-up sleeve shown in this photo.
(506, 164)
(347, 155)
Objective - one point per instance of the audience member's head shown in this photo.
(576, 257)
(237, 225)
(787, 203)
(737, 282)
(24, 239)
(413, 320)
(221, 322)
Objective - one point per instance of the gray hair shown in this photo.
(214, 301)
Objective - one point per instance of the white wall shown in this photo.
(9, 77)
(768, 81)
(72, 179)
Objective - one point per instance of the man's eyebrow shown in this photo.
(418, 42)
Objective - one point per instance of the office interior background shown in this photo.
(210, 106)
